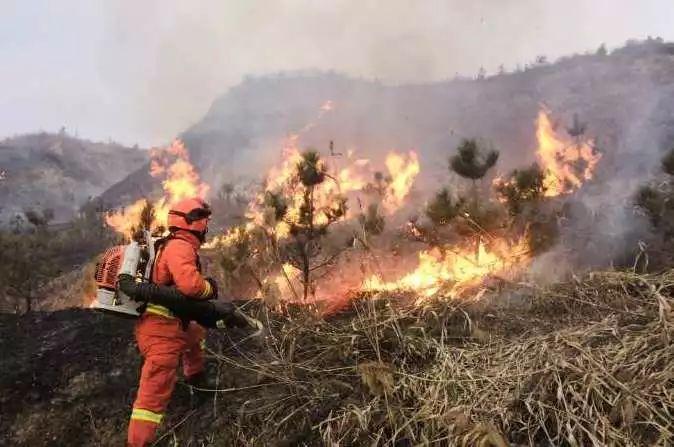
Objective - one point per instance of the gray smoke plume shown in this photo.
(604, 227)
(144, 71)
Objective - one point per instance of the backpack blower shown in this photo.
(124, 289)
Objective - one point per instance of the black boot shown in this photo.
(201, 387)
(202, 381)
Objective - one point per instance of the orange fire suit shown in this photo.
(163, 339)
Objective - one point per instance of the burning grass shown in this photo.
(427, 354)
(582, 363)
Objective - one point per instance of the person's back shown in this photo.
(177, 264)
(162, 338)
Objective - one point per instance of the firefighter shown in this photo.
(163, 339)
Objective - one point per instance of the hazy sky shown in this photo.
(144, 70)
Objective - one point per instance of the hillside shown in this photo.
(582, 363)
(501, 360)
(626, 98)
(59, 172)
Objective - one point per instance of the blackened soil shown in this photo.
(66, 378)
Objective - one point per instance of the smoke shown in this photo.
(602, 226)
(188, 55)
(200, 52)
(144, 71)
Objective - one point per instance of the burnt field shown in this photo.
(579, 363)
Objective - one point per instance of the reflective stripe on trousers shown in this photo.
(163, 343)
(140, 414)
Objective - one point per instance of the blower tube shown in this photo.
(211, 314)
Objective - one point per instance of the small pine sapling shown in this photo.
(522, 187)
(472, 162)
(310, 225)
(657, 200)
(442, 209)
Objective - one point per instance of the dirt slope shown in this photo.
(66, 378)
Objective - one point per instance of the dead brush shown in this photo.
(593, 366)
(377, 376)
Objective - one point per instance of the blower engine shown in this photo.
(123, 288)
(136, 260)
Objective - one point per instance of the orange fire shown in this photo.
(349, 180)
(125, 220)
(180, 181)
(455, 269)
(403, 171)
(567, 163)
(449, 270)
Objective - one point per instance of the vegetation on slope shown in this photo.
(582, 363)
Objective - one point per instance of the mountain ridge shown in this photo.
(626, 98)
(59, 172)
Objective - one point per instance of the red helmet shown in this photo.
(190, 214)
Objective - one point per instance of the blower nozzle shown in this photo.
(211, 314)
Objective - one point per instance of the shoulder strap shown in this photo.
(159, 246)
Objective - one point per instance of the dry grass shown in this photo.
(583, 363)
(73, 289)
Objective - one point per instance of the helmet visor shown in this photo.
(194, 215)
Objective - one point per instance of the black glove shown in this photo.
(128, 286)
(214, 288)
(229, 315)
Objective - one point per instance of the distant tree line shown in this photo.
(32, 253)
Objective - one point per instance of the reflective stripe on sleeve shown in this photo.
(158, 310)
(140, 414)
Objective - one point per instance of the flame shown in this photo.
(180, 181)
(567, 163)
(348, 180)
(125, 220)
(449, 270)
(403, 171)
(349, 176)
(455, 268)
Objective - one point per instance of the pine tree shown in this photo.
(523, 192)
(522, 187)
(481, 74)
(312, 222)
(667, 163)
(602, 51)
(443, 208)
(578, 128)
(38, 219)
(226, 191)
(372, 221)
(657, 200)
(473, 162)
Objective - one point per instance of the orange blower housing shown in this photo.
(132, 259)
(108, 269)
